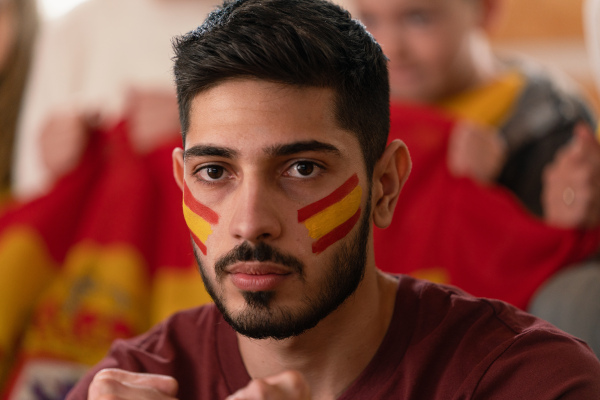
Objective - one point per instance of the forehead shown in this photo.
(251, 114)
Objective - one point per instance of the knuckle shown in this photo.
(259, 387)
(103, 389)
(296, 381)
(106, 373)
(107, 396)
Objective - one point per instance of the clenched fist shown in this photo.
(116, 384)
(288, 385)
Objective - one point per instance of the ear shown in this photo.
(389, 176)
(178, 166)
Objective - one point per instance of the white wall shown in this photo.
(56, 8)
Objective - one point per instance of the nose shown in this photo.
(255, 213)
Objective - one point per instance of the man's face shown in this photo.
(276, 197)
(429, 44)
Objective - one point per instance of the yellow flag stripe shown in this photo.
(489, 104)
(325, 221)
(198, 225)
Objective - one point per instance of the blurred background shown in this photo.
(550, 31)
(47, 309)
(56, 8)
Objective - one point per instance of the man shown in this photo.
(284, 112)
(517, 128)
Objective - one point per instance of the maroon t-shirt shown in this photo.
(441, 344)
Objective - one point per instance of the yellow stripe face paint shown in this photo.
(198, 218)
(333, 217)
(198, 225)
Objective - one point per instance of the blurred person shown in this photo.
(513, 126)
(582, 284)
(90, 70)
(284, 171)
(18, 27)
(92, 250)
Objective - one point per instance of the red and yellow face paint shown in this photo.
(198, 218)
(333, 217)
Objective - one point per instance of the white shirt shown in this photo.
(89, 59)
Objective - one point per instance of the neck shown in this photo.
(334, 353)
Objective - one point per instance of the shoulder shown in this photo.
(187, 326)
(539, 362)
(551, 91)
(494, 349)
(446, 306)
(171, 339)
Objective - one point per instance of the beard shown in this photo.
(261, 318)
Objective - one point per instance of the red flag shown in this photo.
(456, 231)
(105, 255)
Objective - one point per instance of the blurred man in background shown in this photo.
(513, 126)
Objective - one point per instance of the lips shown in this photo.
(257, 276)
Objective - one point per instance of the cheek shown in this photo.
(437, 60)
(389, 37)
(452, 44)
(432, 52)
(333, 217)
(199, 219)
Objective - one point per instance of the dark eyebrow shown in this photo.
(300, 147)
(205, 150)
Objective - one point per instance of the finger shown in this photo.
(584, 147)
(584, 132)
(292, 382)
(132, 96)
(94, 119)
(457, 147)
(110, 389)
(287, 385)
(258, 389)
(164, 384)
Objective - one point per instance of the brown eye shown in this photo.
(214, 172)
(305, 168)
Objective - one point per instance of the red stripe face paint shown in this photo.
(199, 219)
(333, 217)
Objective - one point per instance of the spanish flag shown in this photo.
(333, 217)
(198, 218)
(455, 231)
(103, 256)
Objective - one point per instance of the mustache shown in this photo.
(262, 252)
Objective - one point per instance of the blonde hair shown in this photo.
(12, 81)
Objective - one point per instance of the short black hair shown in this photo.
(305, 43)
